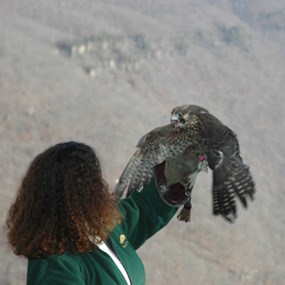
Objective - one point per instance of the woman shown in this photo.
(72, 229)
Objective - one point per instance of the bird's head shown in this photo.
(184, 114)
(179, 116)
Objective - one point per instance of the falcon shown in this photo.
(194, 141)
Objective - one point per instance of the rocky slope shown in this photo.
(105, 73)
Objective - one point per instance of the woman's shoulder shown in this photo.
(54, 268)
(64, 258)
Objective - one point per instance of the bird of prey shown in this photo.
(194, 141)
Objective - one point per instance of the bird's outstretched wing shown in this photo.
(231, 177)
(152, 149)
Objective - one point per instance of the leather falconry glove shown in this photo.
(175, 186)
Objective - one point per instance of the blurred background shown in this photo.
(106, 72)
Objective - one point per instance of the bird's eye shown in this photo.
(180, 115)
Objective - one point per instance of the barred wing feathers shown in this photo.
(152, 149)
(231, 177)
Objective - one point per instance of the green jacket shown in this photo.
(144, 213)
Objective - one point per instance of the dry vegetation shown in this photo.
(107, 72)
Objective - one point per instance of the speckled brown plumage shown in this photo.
(192, 134)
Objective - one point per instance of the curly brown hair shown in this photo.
(62, 201)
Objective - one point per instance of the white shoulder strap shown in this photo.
(106, 249)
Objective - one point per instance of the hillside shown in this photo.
(105, 73)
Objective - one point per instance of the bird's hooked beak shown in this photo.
(176, 119)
